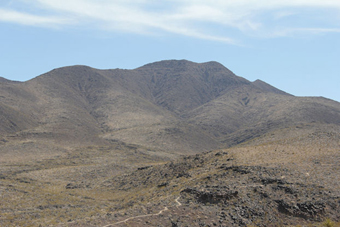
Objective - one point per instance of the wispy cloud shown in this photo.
(193, 18)
(29, 19)
(291, 32)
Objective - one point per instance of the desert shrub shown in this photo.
(328, 223)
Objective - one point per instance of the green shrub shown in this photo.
(328, 223)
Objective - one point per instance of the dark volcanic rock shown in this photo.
(77, 185)
(211, 195)
(306, 210)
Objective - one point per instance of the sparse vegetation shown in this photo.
(329, 223)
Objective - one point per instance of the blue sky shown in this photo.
(291, 44)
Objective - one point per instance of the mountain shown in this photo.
(169, 105)
(175, 105)
(181, 86)
(173, 137)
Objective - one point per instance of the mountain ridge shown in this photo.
(267, 87)
(84, 102)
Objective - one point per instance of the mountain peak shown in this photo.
(268, 88)
(182, 63)
(168, 64)
(73, 68)
(214, 64)
(4, 80)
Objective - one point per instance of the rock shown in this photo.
(163, 184)
(306, 210)
(71, 186)
(144, 167)
(214, 196)
(74, 186)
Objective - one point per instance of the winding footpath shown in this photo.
(146, 215)
(178, 203)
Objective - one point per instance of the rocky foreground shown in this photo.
(225, 188)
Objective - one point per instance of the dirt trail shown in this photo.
(178, 203)
(145, 215)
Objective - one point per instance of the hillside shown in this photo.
(245, 113)
(288, 177)
(178, 142)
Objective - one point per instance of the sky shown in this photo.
(293, 45)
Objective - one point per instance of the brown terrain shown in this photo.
(172, 143)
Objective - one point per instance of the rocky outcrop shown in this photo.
(211, 195)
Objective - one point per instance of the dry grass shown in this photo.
(34, 192)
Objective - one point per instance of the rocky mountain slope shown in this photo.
(176, 106)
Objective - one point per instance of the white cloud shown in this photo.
(194, 18)
(28, 19)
